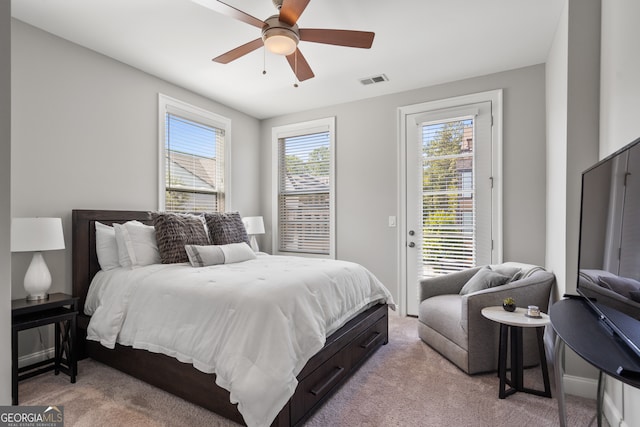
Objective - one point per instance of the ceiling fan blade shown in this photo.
(300, 66)
(230, 11)
(361, 39)
(238, 52)
(291, 10)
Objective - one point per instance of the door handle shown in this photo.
(412, 245)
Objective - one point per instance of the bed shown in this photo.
(343, 351)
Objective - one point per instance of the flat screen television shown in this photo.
(609, 249)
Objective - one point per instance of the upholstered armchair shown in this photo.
(452, 324)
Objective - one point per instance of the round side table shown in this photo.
(512, 323)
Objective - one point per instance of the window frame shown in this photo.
(297, 129)
(167, 104)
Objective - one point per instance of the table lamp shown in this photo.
(254, 225)
(36, 235)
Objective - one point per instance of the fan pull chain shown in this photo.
(264, 61)
(295, 68)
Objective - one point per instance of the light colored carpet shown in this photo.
(405, 383)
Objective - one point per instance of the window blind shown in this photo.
(304, 219)
(194, 165)
(448, 192)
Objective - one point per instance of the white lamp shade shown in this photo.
(36, 234)
(253, 224)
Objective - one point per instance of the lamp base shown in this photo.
(254, 243)
(37, 281)
(37, 297)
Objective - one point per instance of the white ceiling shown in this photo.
(418, 43)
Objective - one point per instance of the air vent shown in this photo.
(374, 79)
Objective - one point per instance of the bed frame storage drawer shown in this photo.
(316, 386)
(368, 342)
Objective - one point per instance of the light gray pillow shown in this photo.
(514, 273)
(620, 285)
(202, 256)
(635, 296)
(485, 278)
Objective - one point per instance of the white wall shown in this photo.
(573, 81)
(572, 87)
(574, 69)
(556, 113)
(85, 136)
(5, 206)
(619, 85)
(619, 125)
(366, 169)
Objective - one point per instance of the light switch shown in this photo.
(392, 221)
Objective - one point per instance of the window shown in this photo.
(466, 178)
(303, 184)
(192, 158)
(448, 211)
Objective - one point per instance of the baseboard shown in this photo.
(580, 386)
(36, 357)
(612, 413)
(588, 388)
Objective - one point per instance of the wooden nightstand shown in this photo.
(61, 310)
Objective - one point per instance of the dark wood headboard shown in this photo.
(84, 259)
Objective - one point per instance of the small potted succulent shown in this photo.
(509, 304)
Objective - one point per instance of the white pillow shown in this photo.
(202, 256)
(123, 252)
(141, 239)
(237, 252)
(136, 244)
(106, 247)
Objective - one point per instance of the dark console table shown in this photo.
(580, 328)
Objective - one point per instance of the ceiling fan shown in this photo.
(280, 34)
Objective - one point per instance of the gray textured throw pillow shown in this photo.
(174, 231)
(485, 278)
(514, 273)
(225, 228)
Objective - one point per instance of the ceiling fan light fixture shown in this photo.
(281, 35)
(280, 41)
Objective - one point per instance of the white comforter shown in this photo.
(254, 324)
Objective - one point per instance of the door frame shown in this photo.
(495, 96)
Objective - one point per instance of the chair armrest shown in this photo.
(534, 290)
(450, 283)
